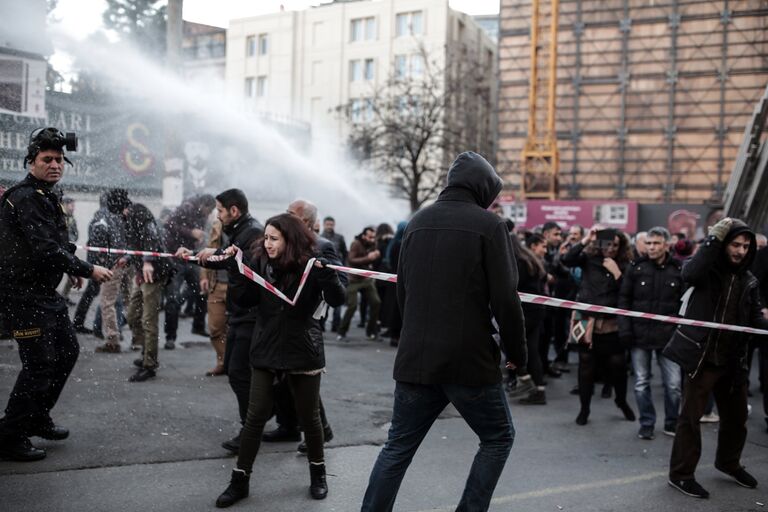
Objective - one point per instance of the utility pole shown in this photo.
(173, 182)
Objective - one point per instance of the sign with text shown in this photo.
(529, 214)
(116, 148)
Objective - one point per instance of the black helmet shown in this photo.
(49, 138)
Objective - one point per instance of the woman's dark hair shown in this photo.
(533, 239)
(623, 253)
(524, 254)
(299, 242)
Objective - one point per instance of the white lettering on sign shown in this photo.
(560, 212)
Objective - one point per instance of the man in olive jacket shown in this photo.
(456, 273)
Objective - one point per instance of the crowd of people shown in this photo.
(451, 316)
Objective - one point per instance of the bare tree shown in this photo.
(415, 123)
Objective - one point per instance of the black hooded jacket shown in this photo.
(722, 293)
(456, 273)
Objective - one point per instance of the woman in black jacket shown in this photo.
(532, 279)
(602, 259)
(287, 340)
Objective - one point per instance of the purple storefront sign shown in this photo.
(616, 214)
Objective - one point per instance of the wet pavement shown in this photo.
(156, 445)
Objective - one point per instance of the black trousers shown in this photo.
(285, 406)
(48, 350)
(306, 389)
(189, 273)
(90, 293)
(730, 390)
(237, 363)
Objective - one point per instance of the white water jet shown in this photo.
(352, 197)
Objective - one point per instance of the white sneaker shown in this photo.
(710, 418)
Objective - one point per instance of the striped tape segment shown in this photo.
(392, 278)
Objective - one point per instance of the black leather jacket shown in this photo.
(35, 250)
(244, 233)
(651, 288)
(289, 337)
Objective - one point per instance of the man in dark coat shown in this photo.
(185, 229)
(714, 360)
(455, 275)
(760, 270)
(337, 239)
(34, 254)
(652, 283)
(239, 228)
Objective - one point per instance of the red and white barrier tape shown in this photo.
(131, 252)
(256, 278)
(392, 278)
(581, 306)
(381, 276)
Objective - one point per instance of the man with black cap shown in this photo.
(714, 360)
(34, 255)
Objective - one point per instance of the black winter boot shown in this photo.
(237, 490)
(318, 487)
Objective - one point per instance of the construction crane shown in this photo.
(540, 159)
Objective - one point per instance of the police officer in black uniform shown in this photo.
(34, 254)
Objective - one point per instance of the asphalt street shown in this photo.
(156, 445)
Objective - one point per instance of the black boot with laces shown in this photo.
(237, 490)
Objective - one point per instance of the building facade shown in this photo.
(306, 64)
(652, 97)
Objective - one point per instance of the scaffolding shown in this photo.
(652, 97)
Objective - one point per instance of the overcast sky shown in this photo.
(84, 16)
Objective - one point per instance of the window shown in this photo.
(250, 46)
(369, 69)
(261, 86)
(362, 29)
(204, 47)
(250, 90)
(401, 66)
(355, 70)
(409, 67)
(263, 44)
(361, 110)
(356, 30)
(417, 65)
(370, 29)
(368, 115)
(409, 23)
(357, 110)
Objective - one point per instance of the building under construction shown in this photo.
(642, 100)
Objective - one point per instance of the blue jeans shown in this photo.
(671, 378)
(416, 407)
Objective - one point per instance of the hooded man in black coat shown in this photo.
(456, 273)
(715, 360)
